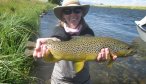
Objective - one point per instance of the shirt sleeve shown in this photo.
(60, 34)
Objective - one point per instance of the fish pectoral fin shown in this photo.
(111, 61)
(48, 57)
(78, 66)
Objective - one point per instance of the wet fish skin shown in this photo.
(81, 49)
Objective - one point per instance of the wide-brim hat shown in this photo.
(70, 3)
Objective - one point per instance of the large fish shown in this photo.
(81, 49)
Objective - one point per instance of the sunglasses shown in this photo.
(68, 11)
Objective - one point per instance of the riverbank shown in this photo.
(19, 22)
(125, 7)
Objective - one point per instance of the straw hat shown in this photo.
(70, 3)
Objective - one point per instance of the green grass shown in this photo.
(125, 7)
(19, 22)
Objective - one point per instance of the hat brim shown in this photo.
(58, 10)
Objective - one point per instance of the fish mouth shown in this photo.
(131, 52)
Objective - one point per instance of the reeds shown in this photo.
(19, 22)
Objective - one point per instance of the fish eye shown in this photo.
(128, 48)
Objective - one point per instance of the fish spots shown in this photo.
(80, 47)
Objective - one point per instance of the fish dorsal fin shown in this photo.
(78, 66)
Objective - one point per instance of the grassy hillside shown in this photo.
(19, 22)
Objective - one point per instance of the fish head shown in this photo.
(126, 51)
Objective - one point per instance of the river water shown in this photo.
(109, 22)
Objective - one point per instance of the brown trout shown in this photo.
(81, 49)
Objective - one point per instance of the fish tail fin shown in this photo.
(48, 57)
